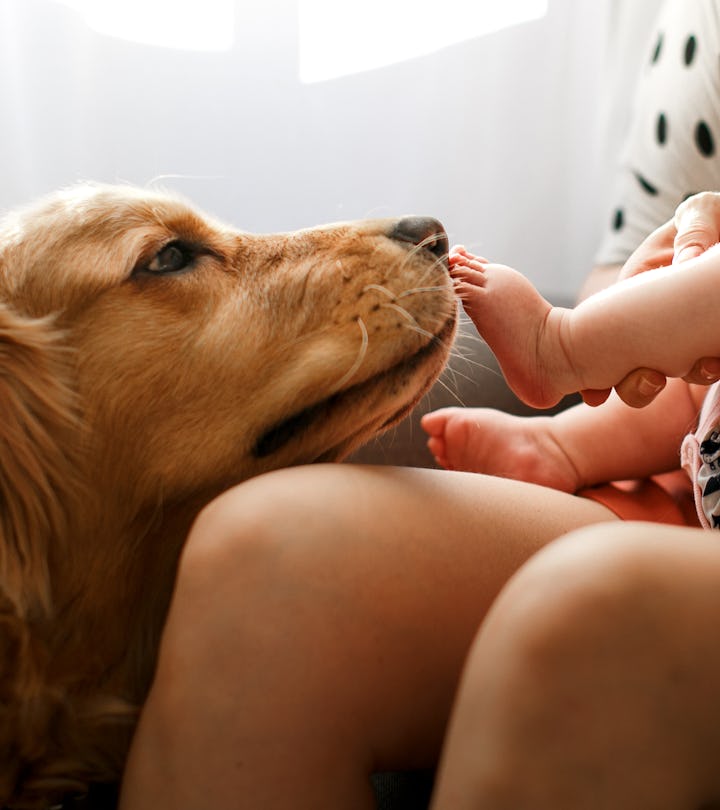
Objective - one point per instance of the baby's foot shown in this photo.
(519, 325)
(496, 443)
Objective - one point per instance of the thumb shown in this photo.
(697, 222)
(682, 254)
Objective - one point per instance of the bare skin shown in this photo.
(498, 443)
(576, 448)
(603, 690)
(603, 641)
(303, 652)
(693, 230)
(547, 351)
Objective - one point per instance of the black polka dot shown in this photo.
(647, 187)
(688, 195)
(658, 48)
(704, 139)
(690, 49)
(618, 219)
(661, 131)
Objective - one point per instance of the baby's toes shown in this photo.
(468, 275)
(433, 424)
(459, 261)
(437, 449)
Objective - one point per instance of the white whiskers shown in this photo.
(379, 288)
(350, 373)
(415, 290)
(450, 391)
(412, 323)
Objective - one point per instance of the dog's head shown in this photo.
(205, 354)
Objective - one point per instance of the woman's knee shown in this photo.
(266, 554)
(237, 537)
(228, 526)
(229, 576)
(589, 595)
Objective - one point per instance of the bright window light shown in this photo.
(193, 25)
(337, 38)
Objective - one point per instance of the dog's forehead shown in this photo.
(93, 213)
(111, 210)
(89, 238)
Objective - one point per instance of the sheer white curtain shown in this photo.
(503, 137)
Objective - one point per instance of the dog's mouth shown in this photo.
(282, 433)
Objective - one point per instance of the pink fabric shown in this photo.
(702, 462)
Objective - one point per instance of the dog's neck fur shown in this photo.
(126, 609)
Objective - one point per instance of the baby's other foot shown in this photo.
(485, 440)
(458, 439)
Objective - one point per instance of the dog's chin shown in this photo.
(412, 376)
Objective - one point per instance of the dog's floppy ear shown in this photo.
(37, 421)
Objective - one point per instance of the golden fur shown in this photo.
(150, 358)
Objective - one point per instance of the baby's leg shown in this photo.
(519, 325)
(485, 440)
(595, 680)
(319, 626)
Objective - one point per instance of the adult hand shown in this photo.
(697, 225)
(694, 228)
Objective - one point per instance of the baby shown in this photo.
(662, 319)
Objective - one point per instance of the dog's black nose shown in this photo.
(425, 232)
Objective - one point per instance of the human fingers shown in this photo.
(655, 251)
(640, 387)
(594, 396)
(697, 221)
(705, 371)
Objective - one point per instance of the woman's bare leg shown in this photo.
(595, 681)
(318, 630)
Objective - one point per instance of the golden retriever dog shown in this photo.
(150, 358)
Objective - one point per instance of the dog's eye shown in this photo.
(171, 259)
